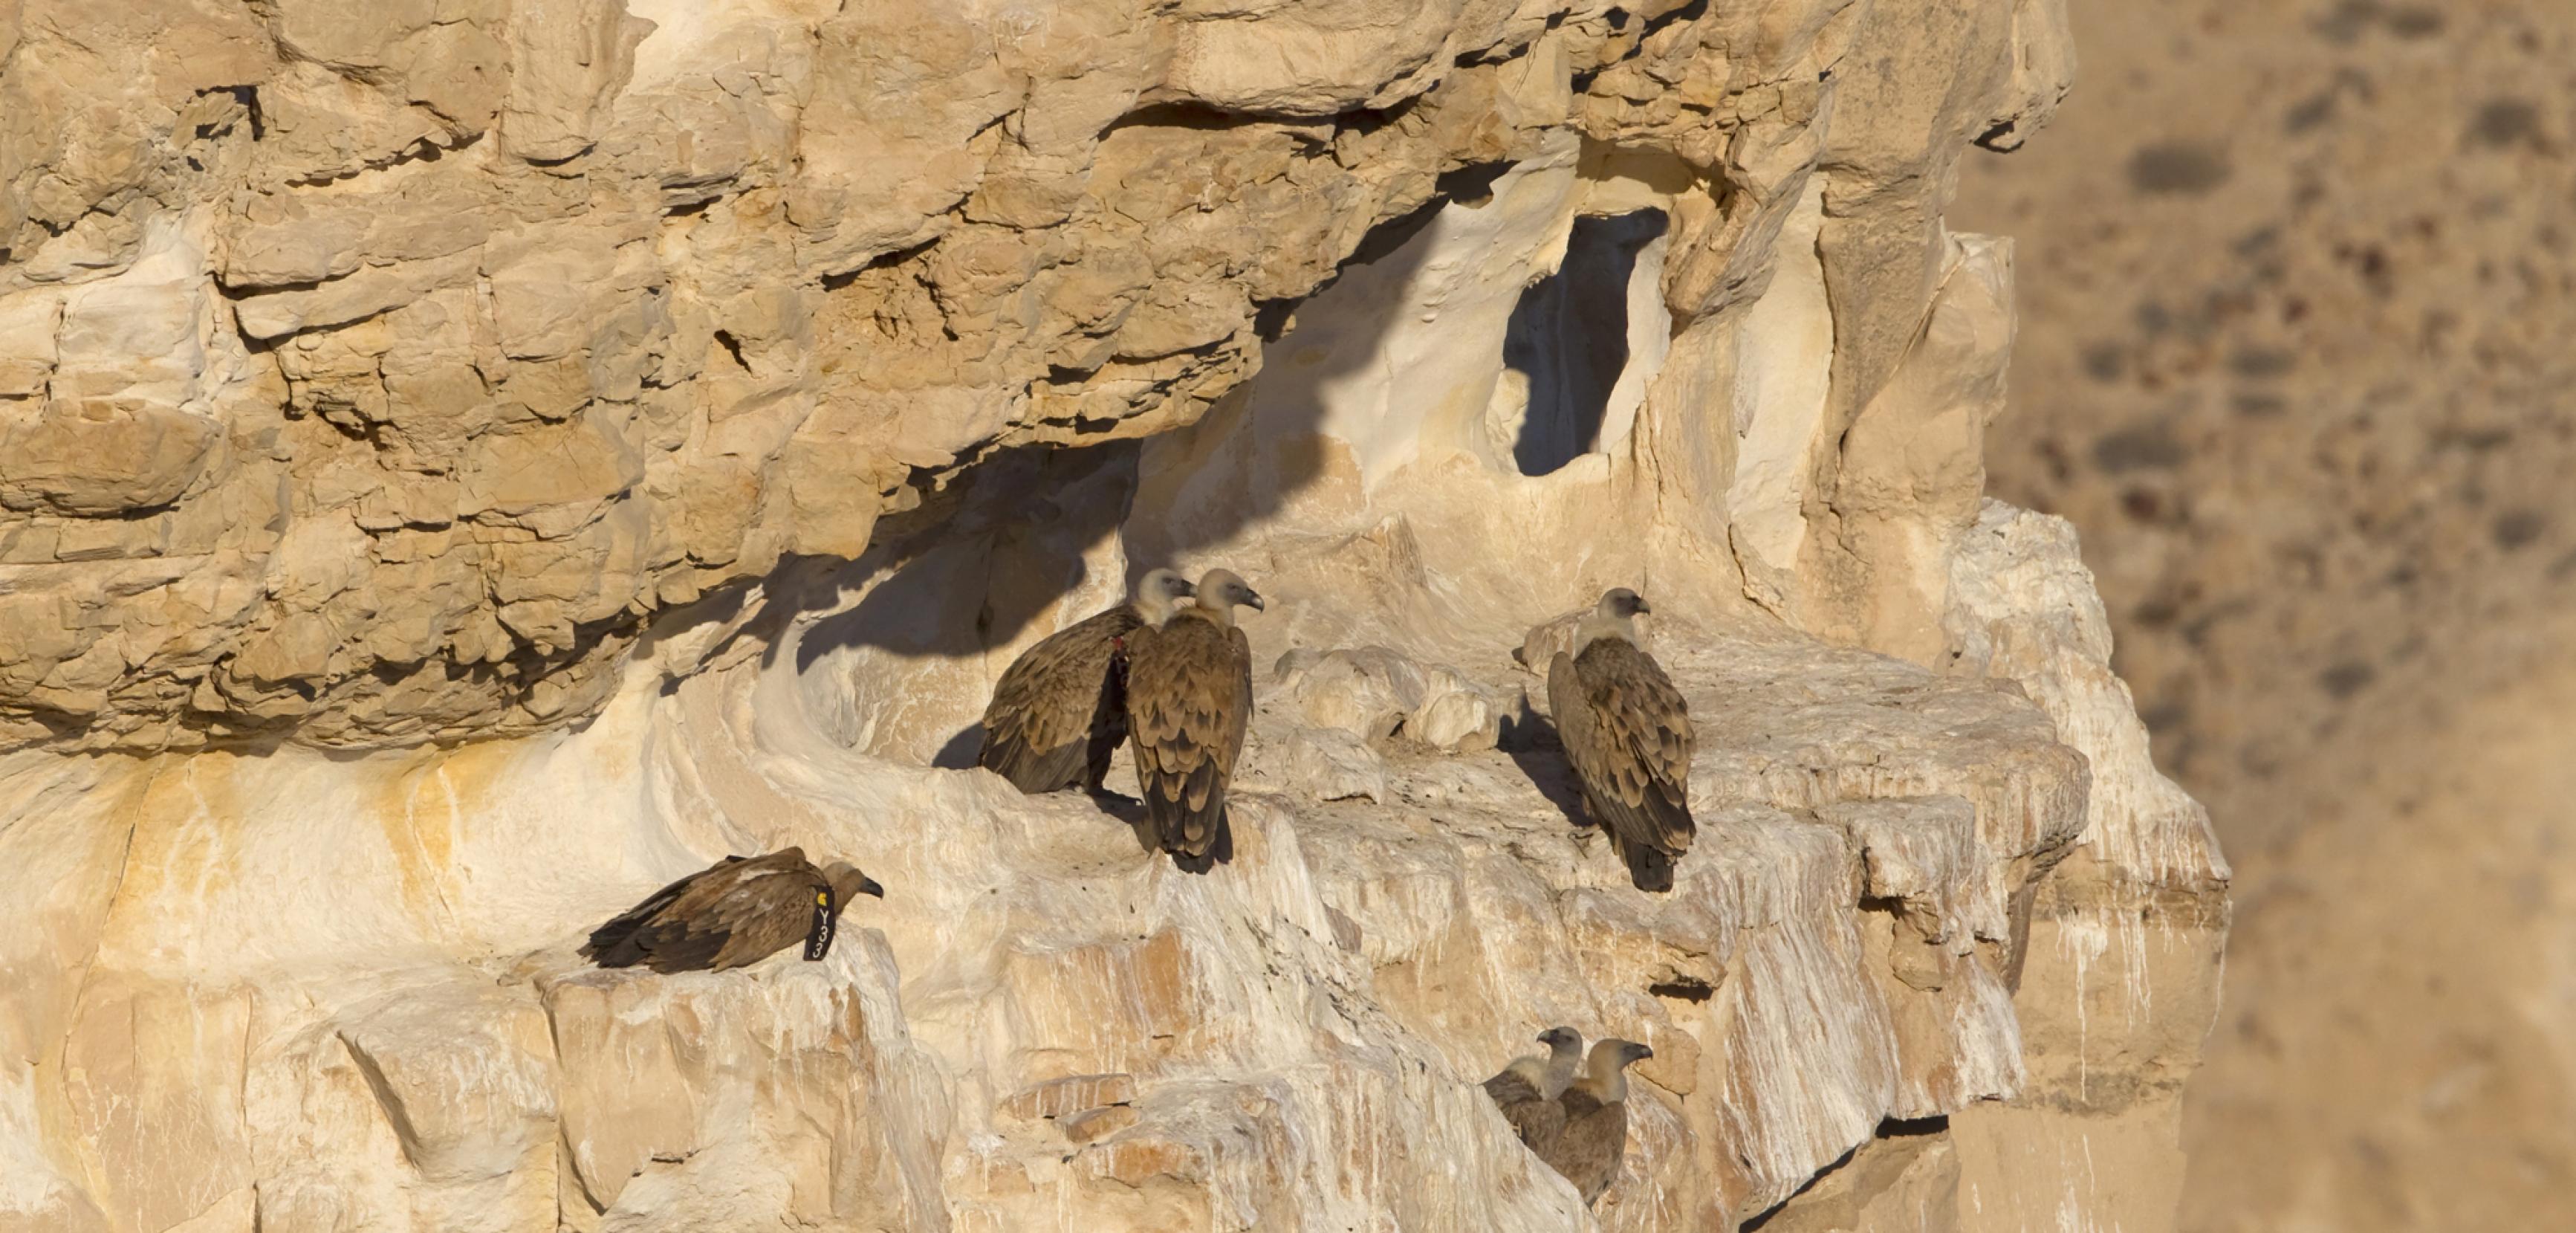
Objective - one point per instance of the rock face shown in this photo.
(464, 465)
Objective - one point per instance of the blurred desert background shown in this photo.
(2298, 296)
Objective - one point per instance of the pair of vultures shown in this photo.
(1576, 1122)
(1170, 675)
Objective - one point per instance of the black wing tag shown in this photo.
(818, 936)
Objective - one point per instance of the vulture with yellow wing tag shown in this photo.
(737, 911)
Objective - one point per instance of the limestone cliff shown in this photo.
(463, 464)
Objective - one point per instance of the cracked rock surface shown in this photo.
(464, 465)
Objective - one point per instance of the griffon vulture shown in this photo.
(1061, 708)
(737, 911)
(1628, 734)
(1527, 1090)
(1189, 699)
(1595, 1138)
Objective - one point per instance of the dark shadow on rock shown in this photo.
(1533, 745)
(960, 751)
(1002, 540)
(979, 560)
(1569, 337)
(1268, 448)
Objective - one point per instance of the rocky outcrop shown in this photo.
(465, 468)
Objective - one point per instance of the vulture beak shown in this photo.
(868, 886)
(1643, 1053)
(1642, 606)
(1252, 600)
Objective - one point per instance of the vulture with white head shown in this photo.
(1189, 700)
(1627, 733)
(1589, 1150)
(1060, 710)
(737, 911)
(1527, 1090)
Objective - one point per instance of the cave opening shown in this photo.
(1568, 338)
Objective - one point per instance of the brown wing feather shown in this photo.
(1049, 709)
(1189, 699)
(710, 922)
(1576, 727)
(1589, 1149)
(1631, 745)
(1534, 1117)
(767, 914)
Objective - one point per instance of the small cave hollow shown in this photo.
(1683, 989)
(1568, 338)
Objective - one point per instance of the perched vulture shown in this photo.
(1061, 709)
(737, 911)
(1527, 1090)
(1595, 1138)
(1189, 699)
(1628, 734)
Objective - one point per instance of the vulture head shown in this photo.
(846, 881)
(1606, 1069)
(1221, 592)
(1622, 603)
(1159, 594)
(1561, 1039)
(1614, 617)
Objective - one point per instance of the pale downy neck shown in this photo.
(1605, 1076)
(1154, 606)
(1559, 1073)
(1220, 615)
(1603, 624)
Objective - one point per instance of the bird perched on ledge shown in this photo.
(1189, 700)
(738, 911)
(1627, 733)
(1589, 1150)
(1060, 710)
(1527, 1089)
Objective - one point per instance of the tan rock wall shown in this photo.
(377, 376)
(468, 465)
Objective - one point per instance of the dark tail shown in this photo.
(1220, 848)
(1184, 831)
(615, 944)
(1648, 868)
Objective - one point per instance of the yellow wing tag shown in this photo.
(818, 936)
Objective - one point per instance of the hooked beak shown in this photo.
(868, 886)
(1642, 605)
(1252, 600)
(1643, 1053)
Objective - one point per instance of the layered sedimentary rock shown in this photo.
(464, 465)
